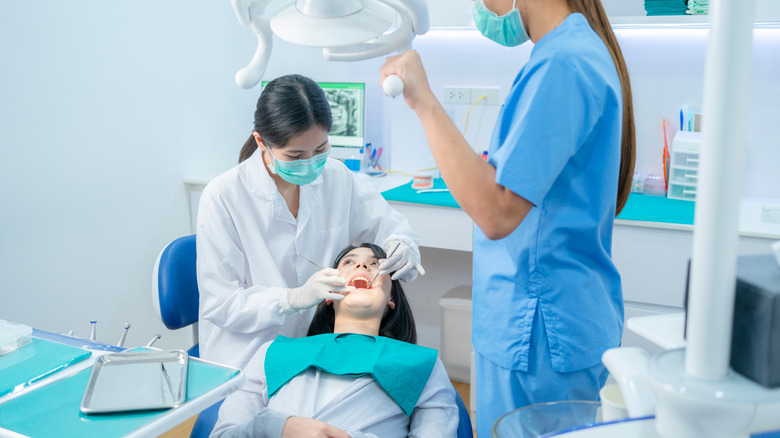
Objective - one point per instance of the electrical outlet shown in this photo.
(457, 95)
(490, 93)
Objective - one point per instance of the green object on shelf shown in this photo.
(638, 208)
(658, 209)
(406, 193)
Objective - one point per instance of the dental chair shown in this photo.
(175, 296)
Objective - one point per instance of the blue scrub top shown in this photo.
(556, 144)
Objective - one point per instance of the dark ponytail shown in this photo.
(597, 18)
(289, 105)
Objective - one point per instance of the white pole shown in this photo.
(715, 236)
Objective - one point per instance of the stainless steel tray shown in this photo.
(136, 380)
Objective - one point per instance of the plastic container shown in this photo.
(456, 345)
(13, 336)
(654, 186)
(547, 419)
(638, 183)
(353, 164)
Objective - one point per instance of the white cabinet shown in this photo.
(439, 227)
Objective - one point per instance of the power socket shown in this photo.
(490, 93)
(457, 95)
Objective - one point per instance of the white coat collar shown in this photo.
(261, 183)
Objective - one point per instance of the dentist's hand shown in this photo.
(403, 261)
(326, 284)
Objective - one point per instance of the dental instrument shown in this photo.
(377, 272)
(153, 340)
(124, 335)
(311, 261)
(432, 191)
(93, 330)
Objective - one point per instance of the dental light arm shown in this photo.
(242, 8)
(400, 39)
(251, 13)
(393, 85)
(411, 17)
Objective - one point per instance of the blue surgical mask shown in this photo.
(299, 172)
(507, 29)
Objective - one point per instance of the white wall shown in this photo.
(103, 107)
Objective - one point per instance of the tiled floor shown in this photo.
(180, 431)
(463, 390)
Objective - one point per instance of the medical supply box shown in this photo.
(755, 343)
(13, 336)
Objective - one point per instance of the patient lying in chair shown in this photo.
(358, 373)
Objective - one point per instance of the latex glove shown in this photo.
(402, 260)
(322, 285)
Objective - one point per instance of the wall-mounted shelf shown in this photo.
(681, 21)
(623, 14)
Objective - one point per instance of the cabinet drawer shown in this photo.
(685, 176)
(685, 159)
(682, 191)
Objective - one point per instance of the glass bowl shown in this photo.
(547, 419)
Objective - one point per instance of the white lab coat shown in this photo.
(249, 248)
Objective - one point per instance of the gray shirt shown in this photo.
(363, 409)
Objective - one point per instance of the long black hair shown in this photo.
(289, 105)
(397, 323)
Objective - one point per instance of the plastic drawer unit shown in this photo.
(684, 168)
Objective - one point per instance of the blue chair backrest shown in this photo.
(177, 283)
(464, 426)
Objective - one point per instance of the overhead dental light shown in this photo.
(346, 30)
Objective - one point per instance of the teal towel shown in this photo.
(665, 7)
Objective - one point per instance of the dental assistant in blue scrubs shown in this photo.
(547, 299)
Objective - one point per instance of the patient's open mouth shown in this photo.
(359, 282)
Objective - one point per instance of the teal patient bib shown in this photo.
(400, 368)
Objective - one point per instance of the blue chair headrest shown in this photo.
(177, 283)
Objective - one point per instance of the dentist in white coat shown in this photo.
(283, 203)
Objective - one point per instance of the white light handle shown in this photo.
(393, 85)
